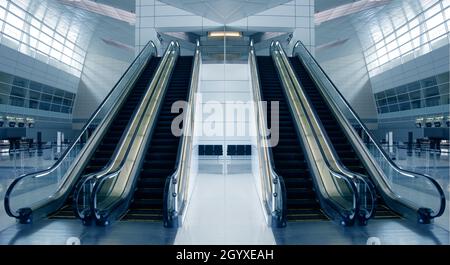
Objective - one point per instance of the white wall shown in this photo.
(224, 87)
(346, 67)
(19, 64)
(104, 65)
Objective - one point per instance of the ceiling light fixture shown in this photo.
(235, 34)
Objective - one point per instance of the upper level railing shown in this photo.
(418, 192)
(48, 189)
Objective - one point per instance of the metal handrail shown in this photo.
(83, 131)
(115, 171)
(376, 144)
(176, 188)
(124, 144)
(336, 170)
(340, 169)
(272, 182)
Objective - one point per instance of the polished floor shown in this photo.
(225, 209)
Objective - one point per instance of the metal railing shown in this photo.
(272, 185)
(339, 190)
(400, 188)
(111, 189)
(60, 178)
(177, 185)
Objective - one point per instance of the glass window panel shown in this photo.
(44, 48)
(36, 23)
(45, 39)
(413, 23)
(33, 104)
(383, 59)
(2, 13)
(6, 78)
(12, 32)
(444, 99)
(415, 104)
(55, 54)
(379, 45)
(414, 95)
(34, 32)
(65, 109)
(65, 59)
(5, 89)
(380, 95)
(390, 38)
(434, 21)
(401, 89)
(405, 106)
(390, 92)
(35, 86)
(444, 88)
(384, 109)
(431, 91)
(14, 20)
(392, 100)
(69, 95)
(403, 97)
(391, 46)
(22, 82)
(59, 93)
(55, 108)
(402, 30)
(406, 48)
(34, 95)
(415, 32)
(16, 101)
(403, 39)
(447, 13)
(434, 101)
(445, 3)
(57, 46)
(393, 108)
(67, 102)
(44, 106)
(48, 89)
(394, 54)
(18, 91)
(382, 102)
(427, 82)
(47, 30)
(437, 32)
(16, 10)
(432, 11)
(57, 100)
(46, 98)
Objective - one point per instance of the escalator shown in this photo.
(341, 144)
(110, 140)
(289, 158)
(161, 154)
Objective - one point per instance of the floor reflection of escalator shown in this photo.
(290, 161)
(161, 156)
(340, 142)
(109, 141)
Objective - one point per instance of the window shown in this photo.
(431, 91)
(434, 101)
(415, 33)
(427, 82)
(404, 106)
